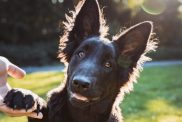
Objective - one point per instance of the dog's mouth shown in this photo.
(79, 97)
(80, 100)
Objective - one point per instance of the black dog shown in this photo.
(99, 70)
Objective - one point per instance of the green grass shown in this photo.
(156, 98)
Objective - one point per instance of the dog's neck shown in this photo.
(98, 112)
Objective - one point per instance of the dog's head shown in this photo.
(99, 67)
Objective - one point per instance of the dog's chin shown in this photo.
(80, 101)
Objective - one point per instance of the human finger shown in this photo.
(17, 113)
(15, 71)
(32, 115)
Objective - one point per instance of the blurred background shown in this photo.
(30, 29)
(29, 37)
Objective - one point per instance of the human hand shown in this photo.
(6, 67)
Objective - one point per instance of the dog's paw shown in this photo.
(23, 99)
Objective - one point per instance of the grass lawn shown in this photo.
(156, 98)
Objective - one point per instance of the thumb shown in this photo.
(15, 71)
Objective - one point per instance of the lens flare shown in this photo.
(180, 8)
(154, 7)
(61, 1)
(180, 1)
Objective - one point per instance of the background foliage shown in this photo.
(30, 29)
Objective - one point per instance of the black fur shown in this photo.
(99, 71)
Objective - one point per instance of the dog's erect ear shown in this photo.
(132, 43)
(86, 23)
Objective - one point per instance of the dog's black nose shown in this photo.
(81, 84)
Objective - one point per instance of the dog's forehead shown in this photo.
(98, 40)
(99, 43)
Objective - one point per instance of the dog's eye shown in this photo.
(81, 54)
(108, 64)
